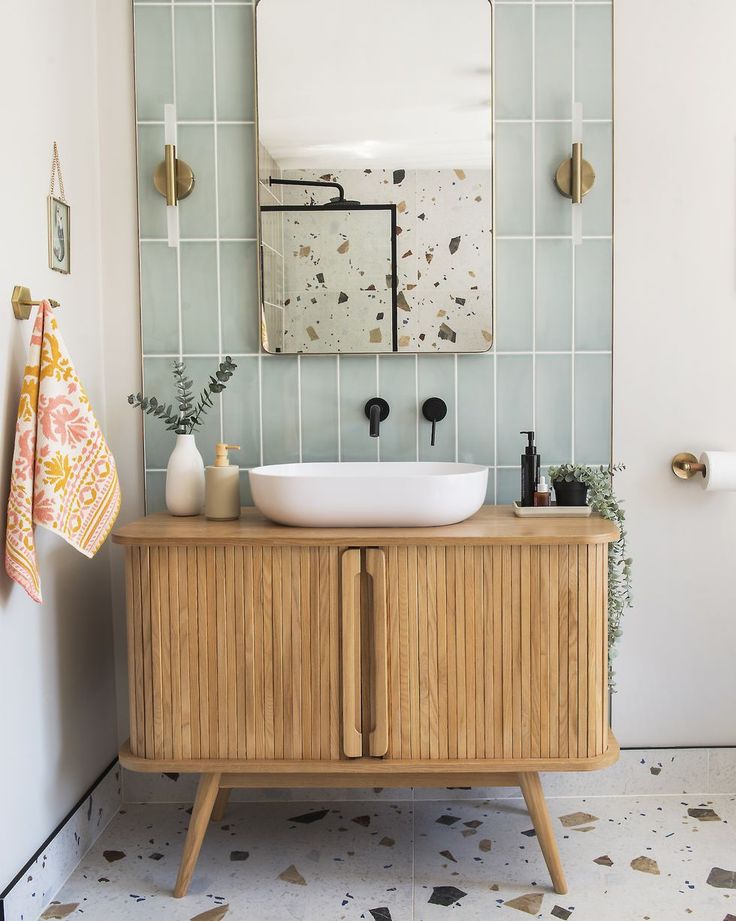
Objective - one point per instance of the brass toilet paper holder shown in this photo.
(685, 465)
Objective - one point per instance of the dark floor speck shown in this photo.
(112, 856)
(448, 819)
(446, 895)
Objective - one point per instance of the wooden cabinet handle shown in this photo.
(352, 737)
(375, 564)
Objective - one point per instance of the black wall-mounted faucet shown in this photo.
(377, 411)
(434, 410)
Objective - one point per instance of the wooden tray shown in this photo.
(552, 511)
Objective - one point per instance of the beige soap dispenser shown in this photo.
(222, 486)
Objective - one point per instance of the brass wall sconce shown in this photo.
(22, 302)
(173, 178)
(575, 177)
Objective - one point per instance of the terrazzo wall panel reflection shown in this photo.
(550, 365)
(338, 265)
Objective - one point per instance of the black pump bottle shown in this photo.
(530, 462)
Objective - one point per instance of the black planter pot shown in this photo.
(573, 493)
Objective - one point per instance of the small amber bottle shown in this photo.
(541, 494)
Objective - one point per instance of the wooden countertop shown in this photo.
(492, 524)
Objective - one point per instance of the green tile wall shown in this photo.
(551, 364)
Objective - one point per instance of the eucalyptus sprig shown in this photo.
(603, 499)
(189, 415)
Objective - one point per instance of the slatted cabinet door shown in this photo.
(497, 651)
(234, 652)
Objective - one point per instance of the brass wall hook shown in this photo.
(22, 302)
(173, 178)
(575, 177)
(685, 465)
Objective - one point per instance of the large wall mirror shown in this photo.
(375, 175)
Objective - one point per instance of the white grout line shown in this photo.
(573, 258)
(541, 236)
(278, 356)
(378, 392)
(512, 236)
(145, 3)
(456, 407)
(200, 239)
(339, 410)
(550, 121)
(299, 401)
(260, 408)
(217, 213)
(178, 247)
(554, 2)
(416, 399)
(534, 216)
(495, 428)
(194, 121)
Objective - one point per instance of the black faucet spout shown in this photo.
(377, 411)
(375, 420)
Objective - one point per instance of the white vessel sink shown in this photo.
(369, 495)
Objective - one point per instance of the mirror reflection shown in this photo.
(375, 175)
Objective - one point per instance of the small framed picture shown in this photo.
(59, 236)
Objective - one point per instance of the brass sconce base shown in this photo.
(564, 178)
(685, 466)
(184, 179)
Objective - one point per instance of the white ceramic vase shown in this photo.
(185, 478)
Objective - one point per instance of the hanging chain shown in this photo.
(56, 168)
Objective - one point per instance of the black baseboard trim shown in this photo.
(26, 866)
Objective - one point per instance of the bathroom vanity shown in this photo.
(468, 655)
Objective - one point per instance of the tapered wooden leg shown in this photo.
(218, 810)
(209, 784)
(531, 787)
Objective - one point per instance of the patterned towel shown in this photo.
(63, 475)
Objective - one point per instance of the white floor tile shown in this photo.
(435, 860)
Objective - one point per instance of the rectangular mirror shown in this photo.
(375, 175)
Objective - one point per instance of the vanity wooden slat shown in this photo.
(500, 703)
(493, 524)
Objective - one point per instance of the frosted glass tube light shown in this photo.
(172, 212)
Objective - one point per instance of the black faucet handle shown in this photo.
(434, 410)
(377, 410)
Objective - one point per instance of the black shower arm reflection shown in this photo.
(311, 182)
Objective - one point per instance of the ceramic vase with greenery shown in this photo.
(602, 498)
(185, 469)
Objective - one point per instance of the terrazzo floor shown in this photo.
(656, 858)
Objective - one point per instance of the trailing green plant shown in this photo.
(189, 414)
(603, 499)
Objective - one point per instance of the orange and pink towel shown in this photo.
(63, 475)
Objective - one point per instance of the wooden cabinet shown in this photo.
(497, 652)
(262, 655)
(234, 652)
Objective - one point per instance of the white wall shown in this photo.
(674, 380)
(57, 691)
